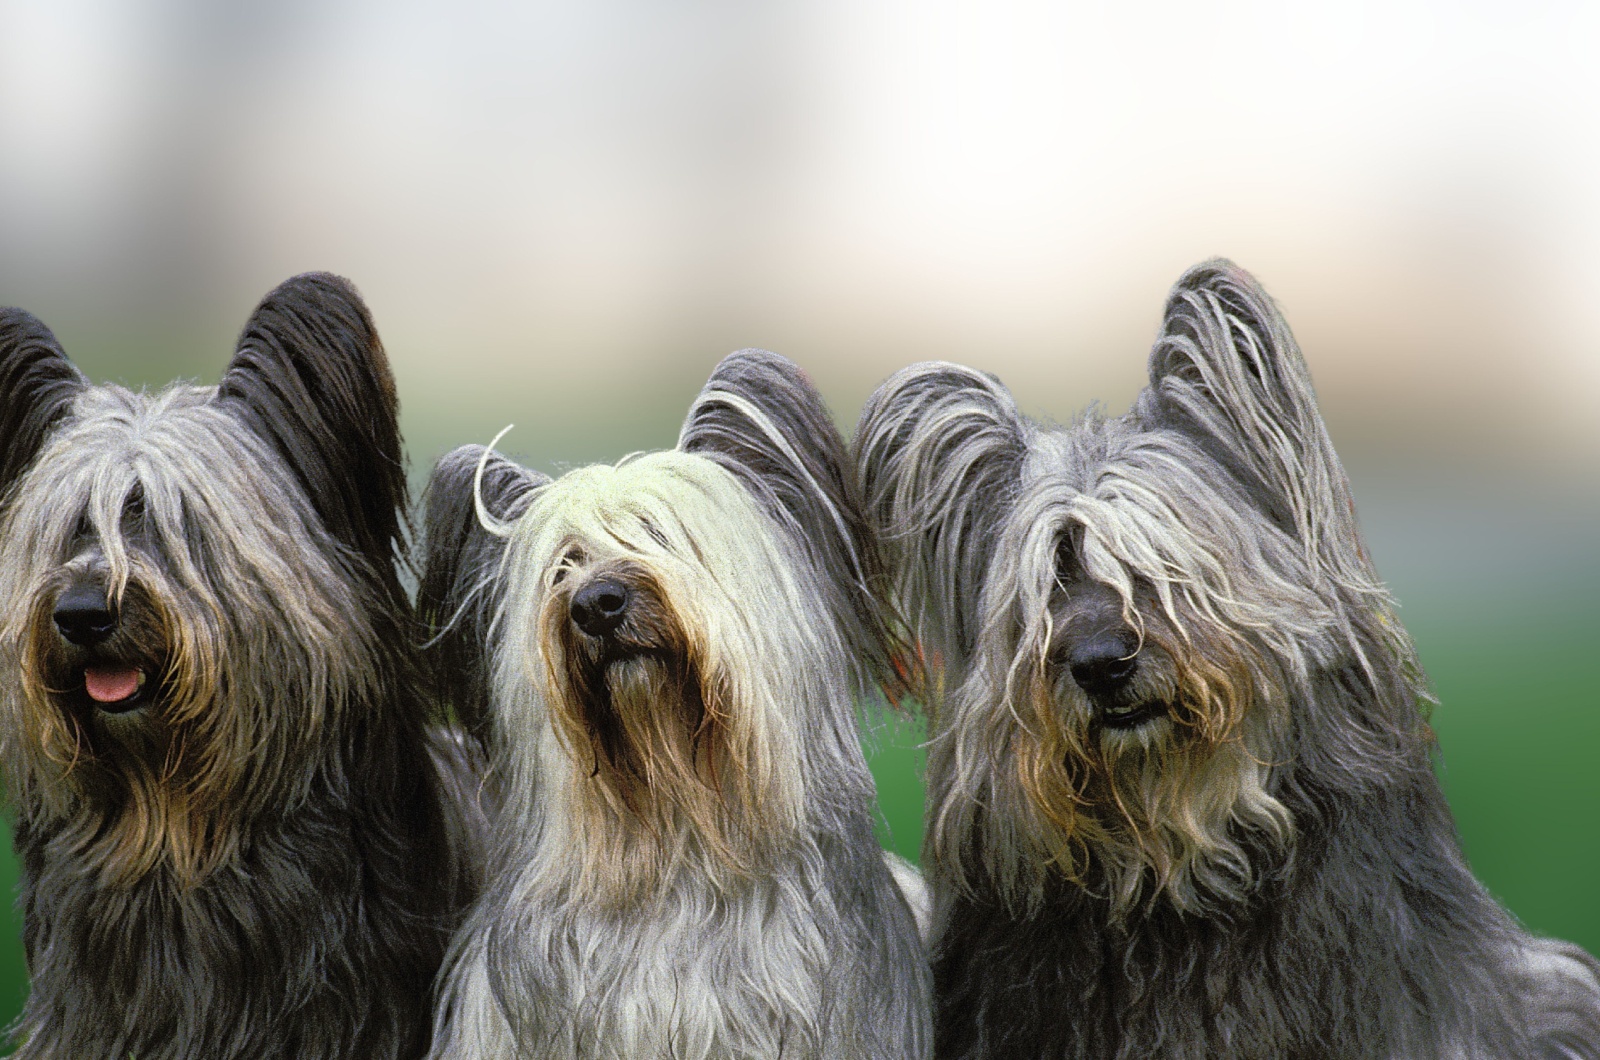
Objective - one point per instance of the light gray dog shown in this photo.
(662, 656)
(1181, 789)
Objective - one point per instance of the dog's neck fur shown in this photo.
(1372, 940)
(542, 969)
(284, 935)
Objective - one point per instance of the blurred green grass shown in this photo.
(1518, 723)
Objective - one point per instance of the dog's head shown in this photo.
(1133, 612)
(195, 583)
(671, 642)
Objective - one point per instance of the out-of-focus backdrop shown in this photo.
(563, 214)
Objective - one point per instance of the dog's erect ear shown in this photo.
(761, 418)
(1226, 370)
(311, 377)
(37, 385)
(459, 593)
(940, 450)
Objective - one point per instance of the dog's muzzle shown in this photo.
(1104, 664)
(84, 619)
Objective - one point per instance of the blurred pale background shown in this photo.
(563, 214)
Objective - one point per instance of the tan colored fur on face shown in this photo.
(656, 743)
(157, 787)
(1152, 810)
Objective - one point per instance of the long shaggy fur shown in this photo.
(1181, 790)
(254, 860)
(684, 862)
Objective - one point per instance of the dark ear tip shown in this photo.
(18, 326)
(454, 470)
(1210, 271)
(322, 294)
(29, 350)
(946, 374)
(1220, 320)
(37, 385)
(462, 463)
(786, 397)
(332, 309)
(14, 317)
(910, 391)
(318, 283)
(505, 482)
(461, 458)
(756, 356)
(754, 366)
(1231, 284)
(1199, 307)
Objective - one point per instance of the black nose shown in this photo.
(83, 615)
(1104, 662)
(599, 607)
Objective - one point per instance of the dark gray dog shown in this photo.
(663, 656)
(1181, 791)
(234, 838)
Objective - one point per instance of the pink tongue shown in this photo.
(106, 685)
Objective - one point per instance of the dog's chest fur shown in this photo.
(697, 980)
(698, 975)
(1356, 954)
(269, 957)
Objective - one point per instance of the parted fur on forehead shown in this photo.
(1148, 498)
(1138, 509)
(687, 517)
(193, 471)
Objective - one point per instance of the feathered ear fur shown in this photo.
(760, 417)
(311, 378)
(37, 385)
(940, 450)
(458, 596)
(1227, 371)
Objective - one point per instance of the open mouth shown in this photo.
(1132, 715)
(116, 688)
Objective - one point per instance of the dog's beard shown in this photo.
(135, 781)
(660, 782)
(1169, 809)
(224, 731)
